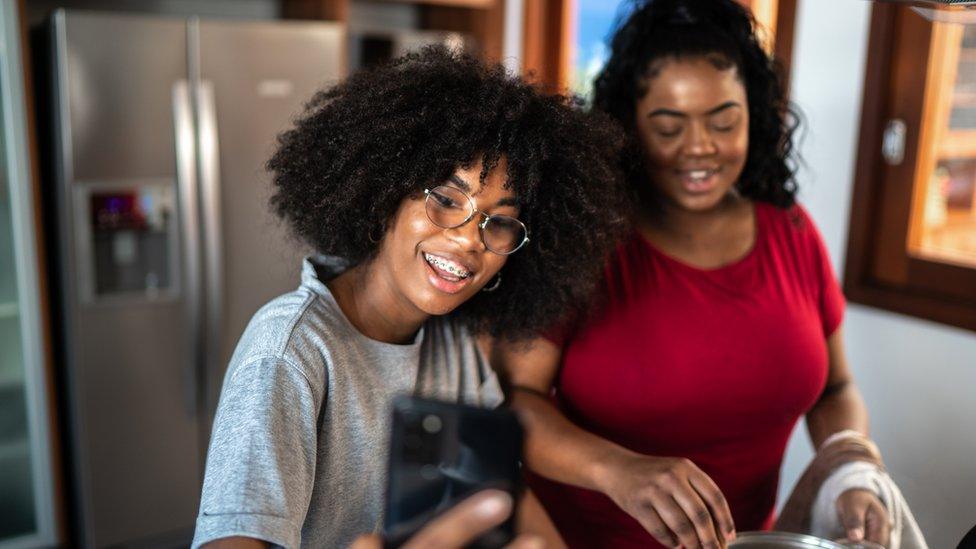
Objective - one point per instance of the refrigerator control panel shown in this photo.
(126, 238)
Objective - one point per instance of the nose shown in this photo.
(699, 141)
(468, 235)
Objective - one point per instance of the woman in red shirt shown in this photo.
(666, 414)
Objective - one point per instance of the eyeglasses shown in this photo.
(450, 208)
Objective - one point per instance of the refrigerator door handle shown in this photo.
(209, 164)
(186, 182)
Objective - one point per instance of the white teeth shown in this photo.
(447, 265)
(699, 174)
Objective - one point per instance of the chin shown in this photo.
(438, 310)
(437, 305)
(698, 204)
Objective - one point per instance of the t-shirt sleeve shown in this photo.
(832, 302)
(261, 463)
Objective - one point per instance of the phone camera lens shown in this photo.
(432, 424)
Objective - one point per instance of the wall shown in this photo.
(918, 378)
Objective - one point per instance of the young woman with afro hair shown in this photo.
(722, 325)
(446, 201)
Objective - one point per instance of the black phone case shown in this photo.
(441, 453)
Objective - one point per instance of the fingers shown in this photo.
(527, 541)
(852, 517)
(691, 524)
(367, 542)
(701, 517)
(717, 504)
(675, 502)
(854, 507)
(652, 522)
(465, 522)
(877, 524)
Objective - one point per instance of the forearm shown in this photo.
(558, 449)
(838, 409)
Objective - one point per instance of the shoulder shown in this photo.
(791, 235)
(790, 226)
(272, 328)
(794, 218)
(293, 329)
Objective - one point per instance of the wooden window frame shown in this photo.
(547, 32)
(783, 13)
(880, 272)
(784, 37)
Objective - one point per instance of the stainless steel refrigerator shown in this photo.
(165, 245)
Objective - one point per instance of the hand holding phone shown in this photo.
(461, 525)
(442, 453)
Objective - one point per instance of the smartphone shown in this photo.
(441, 453)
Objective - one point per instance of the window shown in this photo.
(942, 225)
(778, 17)
(912, 246)
(594, 20)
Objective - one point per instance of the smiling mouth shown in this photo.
(447, 269)
(698, 176)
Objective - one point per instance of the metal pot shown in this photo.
(788, 540)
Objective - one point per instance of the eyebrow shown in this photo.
(716, 110)
(507, 201)
(460, 183)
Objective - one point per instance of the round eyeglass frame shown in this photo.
(481, 226)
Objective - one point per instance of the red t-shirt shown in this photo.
(713, 365)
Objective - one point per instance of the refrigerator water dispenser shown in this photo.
(128, 238)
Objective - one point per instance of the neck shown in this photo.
(697, 225)
(373, 307)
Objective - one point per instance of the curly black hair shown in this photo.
(386, 133)
(726, 34)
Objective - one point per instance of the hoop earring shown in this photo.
(493, 287)
(373, 239)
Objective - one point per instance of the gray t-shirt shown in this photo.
(298, 453)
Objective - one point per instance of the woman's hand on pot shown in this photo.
(673, 500)
(863, 516)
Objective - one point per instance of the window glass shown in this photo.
(943, 222)
(595, 21)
